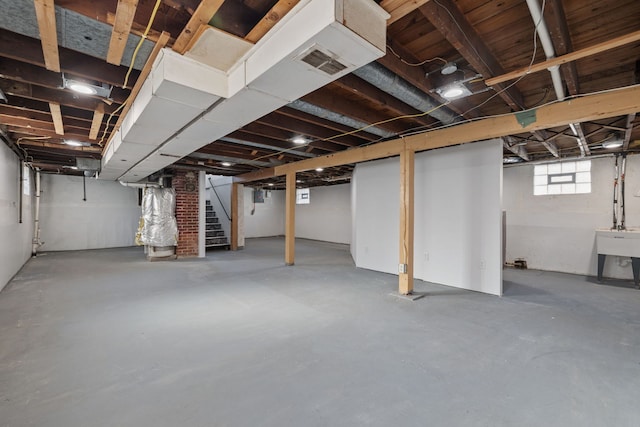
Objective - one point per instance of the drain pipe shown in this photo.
(549, 51)
(139, 184)
(35, 243)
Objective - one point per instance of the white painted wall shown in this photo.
(557, 232)
(264, 219)
(328, 216)
(108, 218)
(15, 240)
(457, 239)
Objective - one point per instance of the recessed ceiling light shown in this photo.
(82, 88)
(270, 184)
(298, 181)
(449, 68)
(225, 164)
(319, 169)
(299, 140)
(614, 143)
(74, 143)
(452, 92)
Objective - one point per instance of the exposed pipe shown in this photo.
(140, 184)
(35, 243)
(549, 51)
(21, 163)
(389, 82)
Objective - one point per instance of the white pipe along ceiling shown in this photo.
(549, 51)
(223, 83)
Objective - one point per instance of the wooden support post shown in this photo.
(405, 276)
(234, 216)
(290, 219)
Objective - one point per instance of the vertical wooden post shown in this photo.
(405, 275)
(234, 216)
(290, 219)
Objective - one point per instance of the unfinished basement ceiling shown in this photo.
(394, 96)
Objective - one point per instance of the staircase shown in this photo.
(215, 237)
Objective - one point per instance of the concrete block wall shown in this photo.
(186, 184)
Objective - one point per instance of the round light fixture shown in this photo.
(226, 164)
(270, 184)
(299, 140)
(449, 68)
(74, 143)
(82, 88)
(452, 92)
(298, 181)
(319, 169)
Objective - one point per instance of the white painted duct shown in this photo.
(224, 83)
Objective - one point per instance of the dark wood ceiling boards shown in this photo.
(486, 38)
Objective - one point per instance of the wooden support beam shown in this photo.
(407, 177)
(275, 14)
(203, 14)
(400, 8)
(125, 13)
(598, 106)
(257, 175)
(290, 219)
(569, 57)
(96, 123)
(46, 14)
(56, 116)
(235, 194)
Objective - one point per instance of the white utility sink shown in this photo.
(624, 243)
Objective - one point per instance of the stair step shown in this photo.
(212, 220)
(215, 233)
(216, 241)
(210, 227)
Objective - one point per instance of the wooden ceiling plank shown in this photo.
(203, 14)
(56, 116)
(279, 10)
(315, 120)
(46, 15)
(8, 111)
(451, 22)
(61, 97)
(356, 85)
(125, 13)
(557, 24)
(96, 123)
(327, 100)
(569, 57)
(398, 9)
(28, 73)
(27, 49)
(589, 107)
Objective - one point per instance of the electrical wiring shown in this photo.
(414, 64)
(142, 39)
(133, 60)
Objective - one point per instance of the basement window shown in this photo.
(562, 178)
(303, 196)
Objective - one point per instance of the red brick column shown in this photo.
(186, 185)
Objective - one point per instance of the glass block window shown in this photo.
(562, 178)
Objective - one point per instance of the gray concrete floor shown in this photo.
(105, 338)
